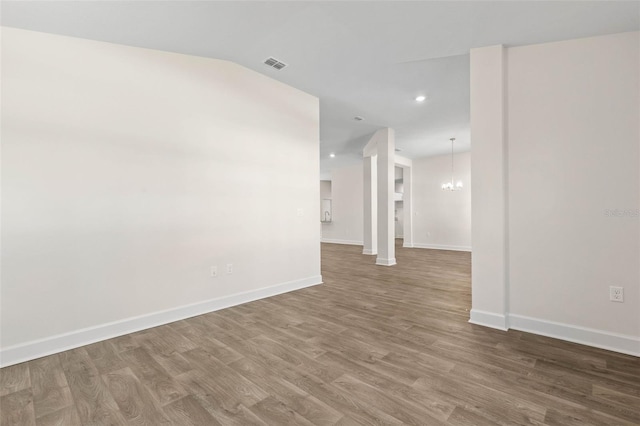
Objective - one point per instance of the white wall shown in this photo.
(442, 219)
(573, 154)
(347, 224)
(572, 120)
(325, 189)
(489, 289)
(127, 173)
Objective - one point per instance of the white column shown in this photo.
(489, 216)
(386, 189)
(407, 206)
(370, 205)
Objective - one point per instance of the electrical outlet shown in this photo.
(616, 294)
(229, 268)
(214, 271)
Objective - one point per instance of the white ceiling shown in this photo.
(360, 58)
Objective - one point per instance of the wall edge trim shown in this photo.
(441, 247)
(615, 342)
(337, 241)
(488, 319)
(50, 345)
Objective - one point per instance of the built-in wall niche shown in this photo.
(398, 202)
(326, 214)
(325, 210)
(399, 184)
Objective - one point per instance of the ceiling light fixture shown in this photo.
(449, 186)
(332, 155)
(421, 98)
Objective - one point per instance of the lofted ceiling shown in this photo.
(361, 58)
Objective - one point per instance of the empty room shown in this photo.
(319, 213)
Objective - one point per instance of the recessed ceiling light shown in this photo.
(332, 155)
(421, 98)
(358, 118)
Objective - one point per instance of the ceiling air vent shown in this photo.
(274, 63)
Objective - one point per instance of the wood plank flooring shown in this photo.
(374, 345)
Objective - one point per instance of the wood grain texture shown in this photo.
(188, 412)
(65, 417)
(374, 345)
(134, 400)
(105, 356)
(16, 409)
(93, 402)
(14, 378)
(51, 391)
(161, 384)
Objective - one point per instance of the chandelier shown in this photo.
(450, 186)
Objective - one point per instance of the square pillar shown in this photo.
(370, 235)
(386, 189)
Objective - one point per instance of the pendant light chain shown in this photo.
(449, 186)
(452, 139)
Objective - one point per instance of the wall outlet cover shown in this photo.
(616, 294)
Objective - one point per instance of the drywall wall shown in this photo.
(573, 155)
(127, 173)
(571, 114)
(442, 219)
(325, 189)
(488, 190)
(347, 223)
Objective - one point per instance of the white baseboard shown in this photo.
(625, 344)
(62, 342)
(385, 262)
(488, 319)
(441, 247)
(348, 242)
(369, 252)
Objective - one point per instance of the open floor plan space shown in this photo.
(372, 345)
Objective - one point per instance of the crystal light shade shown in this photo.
(449, 186)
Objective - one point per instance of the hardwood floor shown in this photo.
(373, 345)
